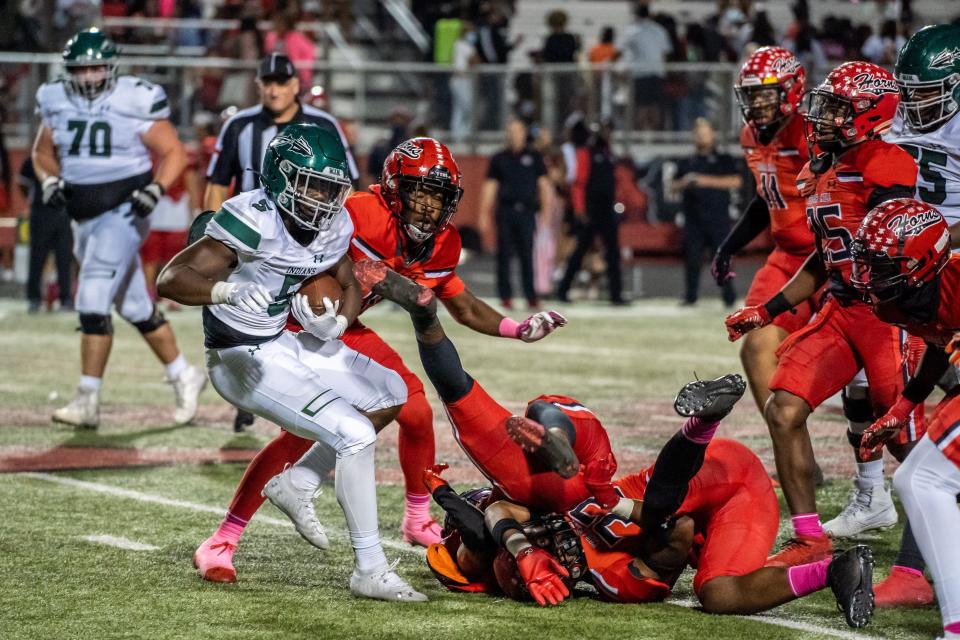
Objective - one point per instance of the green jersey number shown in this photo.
(99, 138)
(929, 161)
(279, 305)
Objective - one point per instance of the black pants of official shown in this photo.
(515, 231)
(50, 232)
(605, 226)
(703, 230)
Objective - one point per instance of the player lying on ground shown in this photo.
(710, 500)
(903, 266)
(854, 171)
(404, 221)
(308, 383)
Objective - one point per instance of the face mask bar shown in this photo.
(876, 275)
(91, 89)
(827, 114)
(314, 199)
(752, 103)
(924, 114)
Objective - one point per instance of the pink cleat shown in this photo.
(214, 560)
(420, 533)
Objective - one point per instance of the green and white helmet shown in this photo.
(928, 72)
(90, 48)
(305, 173)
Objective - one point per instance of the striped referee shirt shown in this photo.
(244, 139)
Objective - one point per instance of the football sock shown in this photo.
(315, 465)
(909, 556)
(357, 495)
(230, 529)
(442, 364)
(698, 430)
(415, 442)
(807, 578)
(91, 382)
(677, 463)
(271, 460)
(417, 507)
(175, 368)
(872, 471)
(807, 524)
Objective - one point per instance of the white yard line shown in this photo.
(120, 543)
(119, 492)
(393, 544)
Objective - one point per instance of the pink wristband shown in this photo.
(509, 328)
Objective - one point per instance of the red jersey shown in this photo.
(946, 323)
(377, 235)
(775, 167)
(592, 441)
(837, 199)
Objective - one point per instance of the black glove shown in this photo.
(54, 192)
(720, 269)
(143, 201)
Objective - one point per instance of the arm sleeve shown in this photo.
(224, 162)
(932, 367)
(754, 220)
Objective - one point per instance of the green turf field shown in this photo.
(64, 575)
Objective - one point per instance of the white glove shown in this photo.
(328, 326)
(252, 297)
(53, 192)
(144, 201)
(540, 325)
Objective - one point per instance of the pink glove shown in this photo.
(536, 327)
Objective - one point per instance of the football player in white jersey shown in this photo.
(257, 251)
(92, 156)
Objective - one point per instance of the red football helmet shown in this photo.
(769, 87)
(419, 178)
(856, 102)
(901, 244)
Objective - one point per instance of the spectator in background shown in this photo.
(399, 121)
(446, 32)
(287, 40)
(646, 45)
(561, 47)
(516, 189)
(238, 85)
(762, 33)
(493, 47)
(592, 200)
(461, 83)
(49, 231)
(604, 52)
(882, 48)
(705, 180)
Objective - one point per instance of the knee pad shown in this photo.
(356, 433)
(856, 405)
(95, 324)
(154, 322)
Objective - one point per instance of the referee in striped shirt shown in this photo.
(235, 167)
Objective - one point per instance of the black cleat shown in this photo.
(553, 449)
(242, 420)
(710, 399)
(850, 576)
(383, 281)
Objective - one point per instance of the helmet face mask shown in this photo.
(927, 105)
(928, 75)
(311, 198)
(428, 206)
(876, 275)
(828, 121)
(760, 105)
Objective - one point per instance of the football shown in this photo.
(316, 288)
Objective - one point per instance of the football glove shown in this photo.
(720, 268)
(887, 427)
(144, 201)
(597, 474)
(327, 326)
(431, 477)
(746, 319)
(543, 576)
(252, 297)
(53, 192)
(540, 325)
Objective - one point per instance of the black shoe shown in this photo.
(710, 399)
(242, 420)
(850, 576)
(552, 449)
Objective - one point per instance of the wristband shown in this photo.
(220, 293)
(777, 305)
(515, 543)
(509, 328)
(502, 527)
(623, 509)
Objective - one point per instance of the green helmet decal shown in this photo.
(90, 48)
(305, 173)
(928, 72)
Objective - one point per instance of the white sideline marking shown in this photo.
(193, 506)
(393, 544)
(120, 543)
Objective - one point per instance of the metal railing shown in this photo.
(469, 108)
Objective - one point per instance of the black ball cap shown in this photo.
(276, 66)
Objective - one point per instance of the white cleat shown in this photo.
(298, 506)
(870, 507)
(83, 411)
(384, 585)
(187, 388)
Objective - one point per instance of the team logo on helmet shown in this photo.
(786, 64)
(869, 83)
(945, 58)
(913, 225)
(297, 145)
(410, 149)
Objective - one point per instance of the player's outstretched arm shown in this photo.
(755, 218)
(471, 311)
(190, 277)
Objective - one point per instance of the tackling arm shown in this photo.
(471, 311)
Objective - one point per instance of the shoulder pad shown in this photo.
(51, 96)
(249, 217)
(140, 99)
